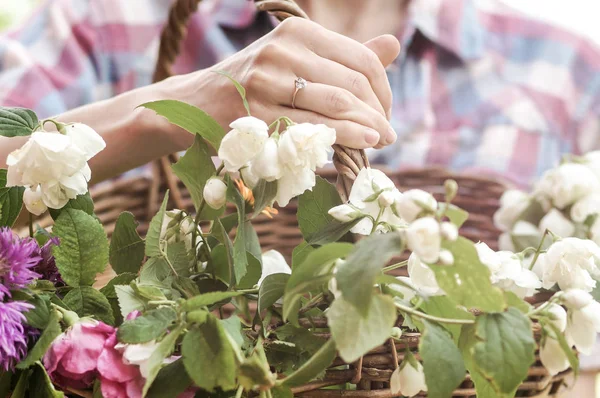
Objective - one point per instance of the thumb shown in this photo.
(387, 48)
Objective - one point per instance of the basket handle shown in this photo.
(348, 162)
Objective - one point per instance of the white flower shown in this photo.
(586, 206)
(570, 263)
(85, 138)
(558, 316)
(369, 185)
(582, 326)
(523, 232)
(138, 354)
(566, 184)
(344, 213)
(406, 288)
(33, 201)
(512, 204)
(555, 222)
(505, 242)
(215, 192)
(294, 182)
(507, 271)
(446, 257)
(424, 238)
(178, 227)
(553, 357)
(273, 263)
(306, 145)
(449, 231)
(422, 277)
(266, 165)
(576, 299)
(243, 142)
(386, 198)
(407, 380)
(595, 231)
(413, 202)
(55, 164)
(250, 179)
(593, 162)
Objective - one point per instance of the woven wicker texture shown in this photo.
(479, 196)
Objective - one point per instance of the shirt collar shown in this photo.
(454, 25)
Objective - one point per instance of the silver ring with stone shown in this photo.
(299, 83)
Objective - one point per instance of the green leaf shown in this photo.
(314, 366)
(483, 387)
(17, 122)
(467, 281)
(186, 287)
(153, 235)
(5, 383)
(233, 327)
(442, 362)
(207, 299)
(253, 273)
(300, 253)
(442, 306)
(87, 301)
(38, 316)
(356, 335)
(189, 118)
(505, 348)
(566, 347)
(126, 247)
(22, 384)
(147, 327)
(455, 214)
(281, 392)
(195, 168)
(356, 276)
(41, 386)
(179, 257)
(11, 201)
(122, 279)
(254, 371)
(128, 300)
(81, 202)
(221, 233)
(83, 249)
(50, 333)
(162, 351)
(171, 381)
(241, 90)
(512, 300)
(209, 357)
(271, 290)
(333, 232)
(313, 207)
(155, 270)
(264, 193)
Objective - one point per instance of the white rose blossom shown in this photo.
(294, 182)
(570, 263)
(555, 222)
(592, 161)
(576, 299)
(507, 271)
(408, 380)
(414, 202)
(424, 238)
(586, 206)
(595, 231)
(566, 184)
(243, 143)
(273, 262)
(33, 201)
(553, 357)
(582, 326)
(369, 185)
(215, 192)
(558, 316)
(422, 277)
(54, 165)
(512, 204)
(266, 165)
(449, 231)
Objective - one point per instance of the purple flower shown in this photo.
(17, 259)
(47, 265)
(13, 336)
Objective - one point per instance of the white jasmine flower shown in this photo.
(414, 202)
(215, 193)
(582, 326)
(294, 182)
(586, 206)
(512, 204)
(576, 299)
(566, 184)
(273, 262)
(266, 165)
(553, 357)
(306, 145)
(33, 201)
(422, 277)
(424, 239)
(449, 231)
(558, 316)
(570, 263)
(243, 143)
(177, 227)
(555, 222)
(344, 213)
(408, 380)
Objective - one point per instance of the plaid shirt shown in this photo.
(478, 87)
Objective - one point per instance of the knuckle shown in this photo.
(267, 53)
(357, 81)
(339, 101)
(255, 80)
(291, 24)
(369, 60)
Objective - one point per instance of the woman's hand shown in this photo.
(347, 86)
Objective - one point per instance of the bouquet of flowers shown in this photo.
(198, 309)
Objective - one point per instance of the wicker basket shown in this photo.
(479, 196)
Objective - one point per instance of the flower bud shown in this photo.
(344, 213)
(451, 188)
(576, 299)
(33, 201)
(386, 199)
(413, 202)
(446, 257)
(215, 193)
(449, 231)
(396, 332)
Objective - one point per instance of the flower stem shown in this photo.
(395, 266)
(311, 303)
(422, 315)
(538, 250)
(238, 393)
(30, 225)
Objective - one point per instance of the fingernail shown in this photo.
(391, 136)
(372, 137)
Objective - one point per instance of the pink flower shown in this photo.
(117, 379)
(73, 357)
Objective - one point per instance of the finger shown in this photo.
(348, 133)
(321, 70)
(340, 104)
(386, 47)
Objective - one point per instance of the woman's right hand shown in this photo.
(347, 86)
